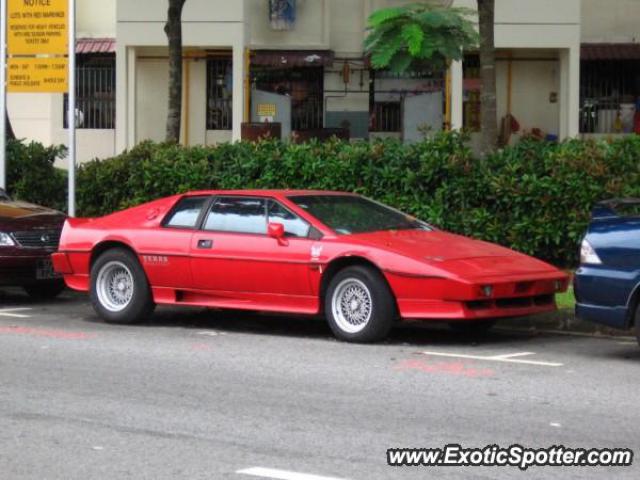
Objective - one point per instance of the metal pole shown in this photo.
(3, 93)
(71, 113)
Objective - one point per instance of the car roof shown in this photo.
(267, 193)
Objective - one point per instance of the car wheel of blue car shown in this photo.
(636, 323)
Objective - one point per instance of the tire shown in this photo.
(636, 322)
(120, 291)
(472, 327)
(359, 305)
(45, 290)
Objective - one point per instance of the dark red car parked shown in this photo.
(28, 236)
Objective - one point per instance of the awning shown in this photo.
(95, 45)
(610, 51)
(292, 58)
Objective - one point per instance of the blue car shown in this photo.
(607, 284)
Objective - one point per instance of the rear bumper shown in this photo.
(70, 267)
(19, 270)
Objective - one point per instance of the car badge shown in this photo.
(316, 251)
(45, 238)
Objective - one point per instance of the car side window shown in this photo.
(294, 226)
(186, 213)
(238, 215)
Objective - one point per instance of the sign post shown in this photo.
(3, 94)
(71, 115)
(37, 55)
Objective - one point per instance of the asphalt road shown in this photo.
(200, 394)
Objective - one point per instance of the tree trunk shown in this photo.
(9, 133)
(489, 111)
(173, 29)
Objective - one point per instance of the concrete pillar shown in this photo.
(238, 91)
(569, 92)
(131, 97)
(121, 98)
(457, 95)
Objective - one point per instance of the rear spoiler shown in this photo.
(608, 208)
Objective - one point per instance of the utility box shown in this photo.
(268, 107)
(422, 113)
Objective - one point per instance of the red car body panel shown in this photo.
(433, 274)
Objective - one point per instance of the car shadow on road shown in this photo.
(251, 323)
(16, 297)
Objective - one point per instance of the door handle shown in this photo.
(205, 243)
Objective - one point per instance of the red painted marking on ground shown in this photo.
(200, 347)
(456, 368)
(41, 332)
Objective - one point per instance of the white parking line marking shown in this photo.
(9, 312)
(212, 334)
(497, 358)
(282, 474)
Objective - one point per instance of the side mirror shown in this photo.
(276, 230)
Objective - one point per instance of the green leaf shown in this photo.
(401, 62)
(413, 35)
(379, 17)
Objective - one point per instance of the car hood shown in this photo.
(23, 215)
(455, 252)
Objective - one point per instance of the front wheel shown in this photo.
(359, 305)
(120, 291)
(636, 321)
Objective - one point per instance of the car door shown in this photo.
(234, 260)
(164, 251)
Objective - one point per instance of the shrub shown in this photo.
(534, 197)
(32, 176)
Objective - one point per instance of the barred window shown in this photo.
(387, 117)
(95, 92)
(219, 94)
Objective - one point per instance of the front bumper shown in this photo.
(446, 299)
(603, 295)
(18, 270)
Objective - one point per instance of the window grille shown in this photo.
(95, 93)
(219, 94)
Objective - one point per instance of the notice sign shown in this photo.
(37, 27)
(37, 75)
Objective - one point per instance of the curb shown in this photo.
(564, 322)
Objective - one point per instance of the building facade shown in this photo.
(301, 63)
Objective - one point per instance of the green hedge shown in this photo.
(32, 176)
(534, 197)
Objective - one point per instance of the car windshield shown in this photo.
(347, 214)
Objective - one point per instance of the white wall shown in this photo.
(96, 18)
(610, 21)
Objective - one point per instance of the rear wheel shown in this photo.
(473, 327)
(120, 291)
(45, 290)
(359, 305)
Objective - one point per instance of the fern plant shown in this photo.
(419, 36)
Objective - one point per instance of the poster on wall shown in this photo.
(282, 14)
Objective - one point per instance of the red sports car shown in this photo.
(359, 262)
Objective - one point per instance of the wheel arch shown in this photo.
(338, 264)
(632, 305)
(106, 245)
